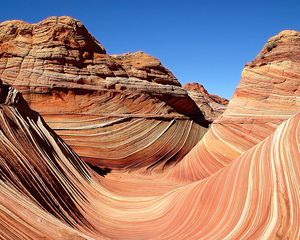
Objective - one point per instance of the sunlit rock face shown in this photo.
(267, 95)
(40, 176)
(211, 105)
(241, 181)
(117, 111)
(48, 192)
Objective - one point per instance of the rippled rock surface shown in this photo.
(116, 111)
(267, 95)
(241, 181)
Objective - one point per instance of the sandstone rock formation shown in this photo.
(241, 181)
(210, 104)
(48, 192)
(40, 176)
(267, 95)
(116, 111)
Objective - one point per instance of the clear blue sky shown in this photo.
(198, 40)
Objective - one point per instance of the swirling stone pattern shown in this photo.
(241, 181)
(40, 176)
(116, 111)
(267, 95)
(47, 191)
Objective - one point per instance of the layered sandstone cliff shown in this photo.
(115, 111)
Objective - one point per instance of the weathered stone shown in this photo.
(113, 110)
(212, 106)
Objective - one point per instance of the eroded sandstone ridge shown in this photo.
(267, 95)
(210, 104)
(115, 111)
(40, 176)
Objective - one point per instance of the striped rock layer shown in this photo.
(116, 111)
(48, 192)
(267, 95)
(40, 176)
(241, 181)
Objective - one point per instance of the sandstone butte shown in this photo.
(212, 106)
(116, 111)
(241, 181)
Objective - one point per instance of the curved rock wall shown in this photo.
(116, 111)
(241, 181)
(267, 95)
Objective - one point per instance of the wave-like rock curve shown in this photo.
(267, 95)
(48, 192)
(241, 181)
(116, 111)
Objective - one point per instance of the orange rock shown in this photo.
(118, 111)
(211, 105)
(241, 181)
(267, 95)
(47, 191)
(39, 176)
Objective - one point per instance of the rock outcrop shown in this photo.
(267, 95)
(39, 176)
(211, 105)
(116, 111)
